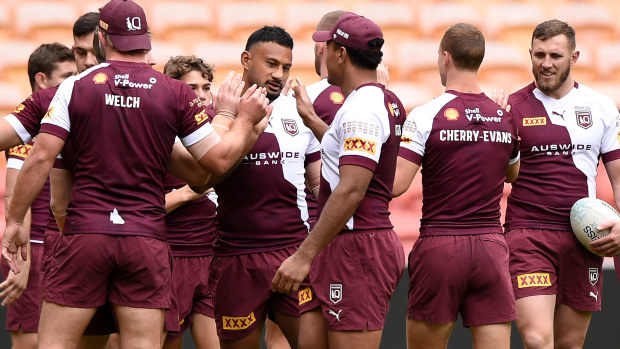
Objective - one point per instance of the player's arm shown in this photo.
(313, 177)
(306, 111)
(405, 172)
(29, 183)
(218, 154)
(513, 171)
(610, 245)
(339, 208)
(8, 136)
(183, 166)
(61, 188)
(178, 197)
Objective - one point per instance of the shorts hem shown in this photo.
(582, 307)
(22, 328)
(142, 305)
(62, 301)
(490, 321)
(545, 292)
(417, 317)
(365, 326)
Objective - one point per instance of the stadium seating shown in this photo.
(182, 22)
(46, 22)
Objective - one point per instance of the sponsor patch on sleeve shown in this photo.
(534, 280)
(360, 144)
(538, 121)
(19, 108)
(20, 151)
(201, 117)
(50, 112)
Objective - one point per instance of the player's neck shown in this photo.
(463, 81)
(356, 77)
(563, 90)
(126, 57)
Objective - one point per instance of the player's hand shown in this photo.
(291, 274)
(14, 241)
(383, 75)
(304, 105)
(608, 246)
(15, 284)
(287, 87)
(501, 98)
(227, 97)
(254, 105)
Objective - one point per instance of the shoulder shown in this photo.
(521, 95)
(431, 108)
(598, 98)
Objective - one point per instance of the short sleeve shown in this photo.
(362, 135)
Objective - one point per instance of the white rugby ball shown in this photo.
(586, 215)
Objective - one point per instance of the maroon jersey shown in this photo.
(40, 208)
(262, 204)
(561, 143)
(365, 132)
(122, 119)
(326, 100)
(26, 119)
(190, 227)
(464, 143)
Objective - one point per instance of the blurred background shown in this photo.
(217, 31)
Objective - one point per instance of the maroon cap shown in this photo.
(352, 31)
(125, 22)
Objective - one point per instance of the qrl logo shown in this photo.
(134, 24)
(335, 293)
(593, 275)
(290, 127)
(584, 118)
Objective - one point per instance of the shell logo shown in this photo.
(336, 97)
(451, 114)
(100, 78)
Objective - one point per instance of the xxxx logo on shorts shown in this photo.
(238, 322)
(533, 280)
(305, 295)
(539, 121)
(20, 151)
(201, 117)
(362, 144)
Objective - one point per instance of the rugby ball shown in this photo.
(586, 215)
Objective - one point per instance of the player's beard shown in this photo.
(547, 85)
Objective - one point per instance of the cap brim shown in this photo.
(126, 43)
(321, 36)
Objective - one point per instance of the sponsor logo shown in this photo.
(410, 126)
(337, 315)
(406, 140)
(451, 114)
(360, 127)
(305, 295)
(594, 295)
(100, 78)
(182, 321)
(19, 108)
(474, 115)
(341, 33)
(103, 25)
(593, 274)
(538, 121)
(20, 151)
(533, 280)
(360, 144)
(134, 23)
(271, 158)
(584, 117)
(394, 109)
(201, 117)
(335, 293)
(336, 97)
(238, 322)
(122, 80)
(290, 127)
(50, 112)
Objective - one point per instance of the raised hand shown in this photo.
(254, 105)
(227, 97)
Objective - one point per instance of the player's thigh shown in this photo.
(139, 327)
(535, 319)
(274, 338)
(204, 332)
(289, 325)
(314, 333)
(23, 340)
(570, 326)
(354, 339)
(427, 335)
(94, 342)
(65, 333)
(493, 336)
(250, 341)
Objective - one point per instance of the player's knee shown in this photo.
(537, 340)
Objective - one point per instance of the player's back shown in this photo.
(121, 120)
(466, 142)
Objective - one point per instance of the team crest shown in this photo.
(451, 114)
(100, 78)
(290, 127)
(335, 293)
(584, 117)
(336, 97)
(593, 273)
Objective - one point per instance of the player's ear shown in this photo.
(245, 60)
(574, 57)
(40, 80)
